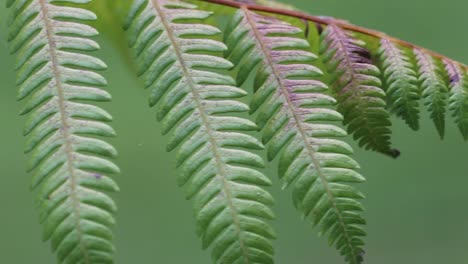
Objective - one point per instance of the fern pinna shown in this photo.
(458, 101)
(310, 76)
(358, 88)
(197, 103)
(434, 89)
(70, 165)
(297, 116)
(401, 82)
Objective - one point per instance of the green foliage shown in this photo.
(358, 88)
(401, 83)
(434, 89)
(197, 103)
(187, 57)
(458, 102)
(296, 115)
(70, 164)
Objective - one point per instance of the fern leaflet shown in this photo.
(177, 57)
(295, 114)
(458, 102)
(357, 85)
(71, 166)
(401, 83)
(434, 89)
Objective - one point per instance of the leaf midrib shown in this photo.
(301, 130)
(341, 35)
(402, 70)
(206, 124)
(64, 130)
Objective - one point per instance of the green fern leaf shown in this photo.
(296, 116)
(458, 101)
(177, 57)
(356, 82)
(71, 166)
(401, 83)
(434, 89)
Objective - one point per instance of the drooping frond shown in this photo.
(400, 82)
(396, 57)
(357, 85)
(177, 56)
(458, 101)
(434, 89)
(70, 164)
(297, 119)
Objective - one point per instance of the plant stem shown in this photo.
(329, 21)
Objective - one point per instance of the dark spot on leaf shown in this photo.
(319, 28)
(454, 79)
(97, 176)
(307, 29)
(364, 53)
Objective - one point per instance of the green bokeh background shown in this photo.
(417, 206)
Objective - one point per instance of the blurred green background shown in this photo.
(417, 206)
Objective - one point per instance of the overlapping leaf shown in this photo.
(70, 164)
(357, 85)
(298, 119)
(177, 57)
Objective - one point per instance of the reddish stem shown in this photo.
(328, 21)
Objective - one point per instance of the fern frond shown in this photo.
(434, 97)
(356, 82)
(296, 116)
(70, 165)
(458, 101)
(177, 55)
(400, 82)
(434, 88)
